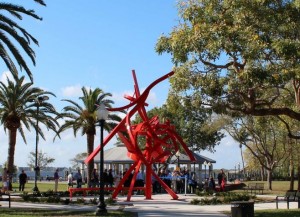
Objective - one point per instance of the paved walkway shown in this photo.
(160, 205)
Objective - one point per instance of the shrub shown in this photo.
(236, 197)
(25, 196)
(93, 201)
(195, 201)
(53, 199)
(110, 201)
(80, 200)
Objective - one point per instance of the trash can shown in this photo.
(242, 209)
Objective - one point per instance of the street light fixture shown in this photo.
(102, 115)
(38, 101)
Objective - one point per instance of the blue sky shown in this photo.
(97, 43)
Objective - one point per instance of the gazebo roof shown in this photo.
(184, 159)
(118, 154)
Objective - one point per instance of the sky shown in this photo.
(97, 43)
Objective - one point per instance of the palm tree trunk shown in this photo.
(244, 172)
(12, 135)
(90, 149)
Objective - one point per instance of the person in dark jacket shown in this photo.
(22, 180)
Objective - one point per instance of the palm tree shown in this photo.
(84, 118)
(19, 108)
(11, 33)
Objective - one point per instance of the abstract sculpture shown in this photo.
(161, 140)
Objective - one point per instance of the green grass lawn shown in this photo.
(42, 186)
(278, 187)
(29, 212)
(274, 213)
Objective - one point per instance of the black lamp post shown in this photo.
(239, 169)
(102, 115)
(234, 171)
(39, 100)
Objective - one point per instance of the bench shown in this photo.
(260, 187)
(289, 196)
(84, 190)
(5, 198)
(255, 187)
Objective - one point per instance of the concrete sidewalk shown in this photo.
(160, 205)
(163, 205)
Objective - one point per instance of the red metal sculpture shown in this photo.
(161, 140)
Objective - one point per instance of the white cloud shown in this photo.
(72, 91)
(119, 99)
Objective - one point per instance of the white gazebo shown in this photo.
(117, 158)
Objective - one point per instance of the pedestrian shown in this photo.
(22, 180)
(105, 178)
(70, 180)
(4, 179)
(94, 179)
(56, 178)
(139, 182)
(222, 188)
(9, 180)
(192, 183)
(110, 178)
(154, 182)
(128, 180)
(221, 175)
(211, 184)
(117, 178)
(78, 178)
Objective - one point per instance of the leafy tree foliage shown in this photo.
(43, 160)
(74, 162)
(84, 118)
(239, 57)
(18, 101)
(196, 124)
(265, 140)
(11, 33)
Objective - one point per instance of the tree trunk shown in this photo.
(244, 172)
(12, 136)
(262, 171)
(292, 173)
(298, 172)
(269, 178)
(90, 149)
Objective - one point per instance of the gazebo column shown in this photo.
(200, 172)
(83, 171)
(148, 190)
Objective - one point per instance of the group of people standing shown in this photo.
(108, 178)
(175, 180)
(7, 180)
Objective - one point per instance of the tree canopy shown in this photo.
(240, 57)
(14, 38)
